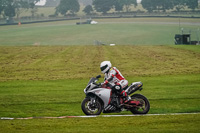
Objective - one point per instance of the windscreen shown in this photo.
(91, 80)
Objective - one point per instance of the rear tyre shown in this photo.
(144, 106)
(91, 109)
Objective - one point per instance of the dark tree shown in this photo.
(149, 5)
(68, 6)
(88, 9)
(192, 4)
(179, 4)
(118, 4)
(9, 8)
(128, 3)
(12, 7)
(2, 3)
(103, 5)
(163, 4)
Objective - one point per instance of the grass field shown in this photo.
(118, 31)
(150, 124)
(71, 62)
(167, 94)
(48, 79)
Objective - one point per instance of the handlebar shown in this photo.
(98, 76)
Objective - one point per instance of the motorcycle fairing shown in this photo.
(103, 94)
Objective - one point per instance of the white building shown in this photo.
(139, 1)
(41, 3)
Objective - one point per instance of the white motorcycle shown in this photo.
(101, 99)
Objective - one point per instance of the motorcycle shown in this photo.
(102, 99)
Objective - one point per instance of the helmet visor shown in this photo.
(104, 67)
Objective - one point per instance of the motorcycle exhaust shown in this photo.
(134, 87)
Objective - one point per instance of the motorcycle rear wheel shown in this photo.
(143, 108)
(91, 109)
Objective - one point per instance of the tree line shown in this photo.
(103, 6)
(12, 8)
(163, 5)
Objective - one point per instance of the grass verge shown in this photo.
(151, 31)
(151, 124)
(167, 94)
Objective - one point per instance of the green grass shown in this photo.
(167, 94)
(46, 80)
(132, 32)
(191, 48)
(49, 80)
(150, 124)
(72, 62)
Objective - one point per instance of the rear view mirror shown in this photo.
(99, 76)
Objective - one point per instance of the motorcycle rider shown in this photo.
(115, 79)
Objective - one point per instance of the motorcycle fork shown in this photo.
(93, 100)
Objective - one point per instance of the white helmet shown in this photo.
(105, 66)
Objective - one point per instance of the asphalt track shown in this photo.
(62, 117)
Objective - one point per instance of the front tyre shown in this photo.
(143, 107)
(90, 108)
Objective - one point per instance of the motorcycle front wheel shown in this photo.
(144, 106)
(90, 108)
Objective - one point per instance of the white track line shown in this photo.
(61, 117)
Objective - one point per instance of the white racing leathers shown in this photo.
(114, 77)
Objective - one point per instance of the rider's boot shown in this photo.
(125, 97)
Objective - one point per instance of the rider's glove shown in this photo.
(105, 82)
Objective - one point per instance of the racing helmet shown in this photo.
(105, 66)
